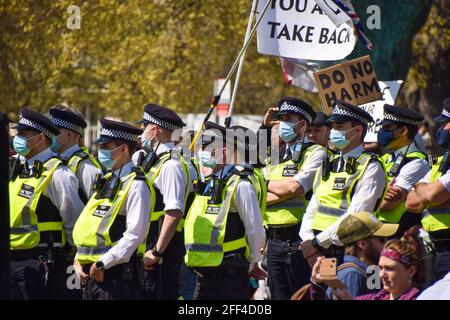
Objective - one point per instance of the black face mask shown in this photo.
(442, 138)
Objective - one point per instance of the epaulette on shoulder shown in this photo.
(83, 155)
(243, 170)
(374, 157)
(140, 174)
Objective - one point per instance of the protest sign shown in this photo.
(336, 14)
(390, 90)
(301, 29)
(353, 81)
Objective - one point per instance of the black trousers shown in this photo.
(121, 282)
(229, 281)
(28, 280)
(287, 269)
(163, 282)
(33, 278)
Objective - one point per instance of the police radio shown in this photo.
(16, 169)
(326, 168)
(398, 164)
(297, 153)
(216, 191)
(98, 182)
(111, 187)
(37, 169)
(432, 160)
(443, 167)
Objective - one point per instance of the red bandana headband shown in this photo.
(394, 255)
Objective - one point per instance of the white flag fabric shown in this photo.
(300, 73)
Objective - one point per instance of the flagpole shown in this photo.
(230, 73)
(241, 63)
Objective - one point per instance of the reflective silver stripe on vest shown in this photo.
(73, 162)
(103, 227)
(223, 211)
(204, 247)
(331, 211)
(293, 204)
(93, 251)
(24, 229)
(435, 211)
(26, 216)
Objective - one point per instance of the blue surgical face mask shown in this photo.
(442, 138)
(338, 139)
(146, 144)
(55, 144)
(205, 158)
(385, 137)
(20, 145)
(286, 131)
(105, 158)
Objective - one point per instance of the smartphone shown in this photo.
(328, 271)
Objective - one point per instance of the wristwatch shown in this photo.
(156, 253)
(100, 265)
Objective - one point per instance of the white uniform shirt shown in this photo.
(86, 171)
(438, 291)
(62, 192)
(305, 177)
(137, 212)
(171, 181)
(366, 194)
(411, 172)
(245, 201)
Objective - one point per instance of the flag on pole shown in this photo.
(347, 6)
(299, 72)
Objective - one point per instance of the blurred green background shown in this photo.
(128, 53)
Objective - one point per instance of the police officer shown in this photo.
(404, 165)
(171, 177)
(248, 157)
(288, 183)
(223, 231)
(319, 130)
(432, 194)
(71, 125)
(116, 219)
(44, 206)
(348, 182)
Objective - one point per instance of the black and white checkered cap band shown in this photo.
(117, 134)
(344, 112)
(290, 107)
(394, 117)
(215, 133)
(445, 113)
(68, 125)
(159, 122)
(32, 124)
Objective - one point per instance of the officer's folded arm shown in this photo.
(283, 189)
(426, 194)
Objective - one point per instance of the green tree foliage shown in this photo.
(128, 53)
(428, 81)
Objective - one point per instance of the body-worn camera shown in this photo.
(106, 188)
(216, 191)
(398, 164)
(443, 167)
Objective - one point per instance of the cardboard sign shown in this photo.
(354, 81)
(390, 90)
(301, 29)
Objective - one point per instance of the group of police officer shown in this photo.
(129, 220)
